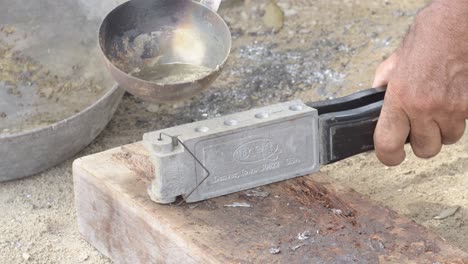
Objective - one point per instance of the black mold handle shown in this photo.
(347, 124)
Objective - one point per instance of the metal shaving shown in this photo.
(193, 206)
(238, 205)
(294, 248)
(256, 193)
(275, 250)
(304, 235)
(337, 211)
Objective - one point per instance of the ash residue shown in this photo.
(36, 97)
(19, 70)
(49, 63)
(261, 74)
(255, 75)
(294, 68)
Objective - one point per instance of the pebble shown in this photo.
(274, 16)
(153, 108)
(83, 257)
(244, 16)
(447, 213)
(25, 256)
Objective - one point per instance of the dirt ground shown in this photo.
(325, 48)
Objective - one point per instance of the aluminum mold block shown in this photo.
(241, 151)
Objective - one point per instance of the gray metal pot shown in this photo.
(61, 37)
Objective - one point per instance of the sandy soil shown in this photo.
(325, 48)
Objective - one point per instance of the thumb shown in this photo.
(384, 71)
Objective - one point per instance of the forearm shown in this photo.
(453, 10)
(456, 6)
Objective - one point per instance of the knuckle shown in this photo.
(385, 144)
(451, 135)
(380, 70)
(457, 106)
(414, 101)
(424, 105)
(398, 92)
(425, 151)
(450, 140)
(389, 161)
(425, 145)
(386, 65)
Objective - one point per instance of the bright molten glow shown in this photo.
(188, 46)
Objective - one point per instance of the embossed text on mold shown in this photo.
(256, 151)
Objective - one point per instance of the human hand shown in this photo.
(427, 85)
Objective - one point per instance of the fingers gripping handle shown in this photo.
(347, 124)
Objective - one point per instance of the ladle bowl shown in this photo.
(164, 50)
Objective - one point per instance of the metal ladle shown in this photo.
(166, 37)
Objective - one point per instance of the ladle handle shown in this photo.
(211, 4)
